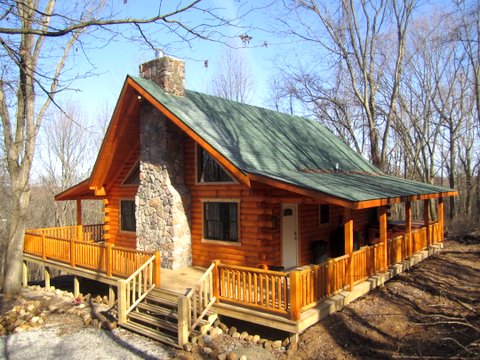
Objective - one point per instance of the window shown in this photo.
(324, 214)
(133, 178)
(220, 221)
(127, 215)
(208, 170)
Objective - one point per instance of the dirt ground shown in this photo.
(432, 311)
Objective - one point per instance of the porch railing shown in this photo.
(93, 232)
(88, 233)
(295, 292)
(103, 258)
(257, 288)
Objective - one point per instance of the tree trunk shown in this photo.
(14, 251)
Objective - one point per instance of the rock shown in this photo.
(207, 339)
(188, 347)
(19, 329)
(249, 338)
(232, 330)
(232, 356)
(243, 335)
(214, 332)
(277, 344)
(87, 319)
(223, 327)
(207, 350)
(58, 292)
(98, 299)
(214, 354)
(286, 342)
(35, 319)
(261, 341)
(87, 297)
(222, 356)
(236, 335)
(18, 322)
(81, 306)
(52, 289)
(105, 300)
(30, 307)
(268, 345)
(243, 357)
(52, 308)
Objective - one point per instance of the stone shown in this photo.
(87, 319)
(286, 342)
(81, 306)
(207, 350)
(188, 347)
(232, 330)
(236, 335)
(232, 356)
(98, 299)
(243, 335)
(222, 356)
(207, 339)
(277, 344)
(35, 319)
(267, 345)
(243, 357)
(58, 292)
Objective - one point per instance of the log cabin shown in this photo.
(285, 216)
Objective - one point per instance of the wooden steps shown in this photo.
(157, 317)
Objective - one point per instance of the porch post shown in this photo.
(348, 241)
(79, 212)
(382, 221)
(440, 219)
(408, 227)
(426, 220)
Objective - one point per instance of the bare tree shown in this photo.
(233, 78)
(36, 39)
(359, 38)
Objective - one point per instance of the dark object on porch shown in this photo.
(337, 244)
(276, 268)
(319, 251)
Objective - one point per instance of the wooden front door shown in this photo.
(289, 235)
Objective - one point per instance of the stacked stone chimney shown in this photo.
(166, 72)
(163, 200)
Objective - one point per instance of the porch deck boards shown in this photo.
(180, 281)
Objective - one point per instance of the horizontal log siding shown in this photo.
(259, 243)
(311, 230)
(116, 192)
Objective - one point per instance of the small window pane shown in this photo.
(221, 221)
(127, 215)
(324, 214)
(209, 170)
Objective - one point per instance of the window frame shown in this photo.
(120, 214)
(221, 242)
(232, 181)
(320, 212)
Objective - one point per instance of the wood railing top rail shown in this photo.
(140, 269)
(202, 278)
(253, 270)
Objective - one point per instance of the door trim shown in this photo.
(297, 240)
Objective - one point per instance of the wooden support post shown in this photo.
(295, 296)
(46, 273)
(44, 247)
(382, 221)
(80, 233)
(122, 301)
(76, 287)
(25, 274)
(79, 212)
(216, 281)
(111, 295)
(408, 227)
(183, 323)
(348, 241)
(72, 253)
(156, 268)
(108, 268)
(426, 220)
(440, 219)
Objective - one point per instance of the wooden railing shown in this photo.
(261, 289)
(65, 232)
(103, 258)
(195, 305)
(93, 232)
(137, 286)
(319, 281)
(366, 262)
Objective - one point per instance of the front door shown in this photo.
(289, 235)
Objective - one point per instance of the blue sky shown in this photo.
(121, 57)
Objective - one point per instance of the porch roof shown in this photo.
(289, 149)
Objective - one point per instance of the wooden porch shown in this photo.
(287, 300)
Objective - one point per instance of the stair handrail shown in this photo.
(136, 287)
(200, 299)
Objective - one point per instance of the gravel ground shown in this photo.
(61, 339)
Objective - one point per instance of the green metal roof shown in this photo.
(291, 149)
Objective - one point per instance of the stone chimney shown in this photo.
(166, 72)
(163, 199)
